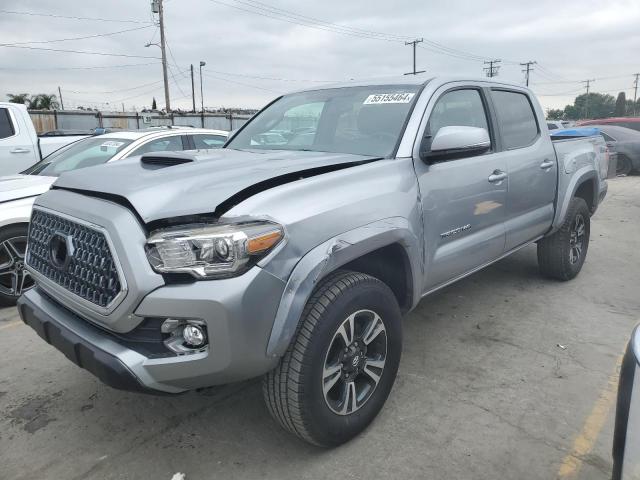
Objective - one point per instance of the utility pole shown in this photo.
(157, 7)
(193, 91)
(527, 70)
(586, 103)
(62, 103)
(635, 92)
(414, 44)
(492, 69)
(202, 64)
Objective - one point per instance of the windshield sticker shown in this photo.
(382, 98)
(112, 144)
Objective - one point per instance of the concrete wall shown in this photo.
(45, 120)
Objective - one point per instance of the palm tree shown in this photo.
(44, 101)
(18, 98)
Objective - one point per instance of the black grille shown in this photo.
(90, 272)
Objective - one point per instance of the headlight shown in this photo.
(210, 250)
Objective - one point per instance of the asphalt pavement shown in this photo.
(504, 375)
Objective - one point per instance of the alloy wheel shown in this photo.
(14, 278)
(354, 362)
(576, 239)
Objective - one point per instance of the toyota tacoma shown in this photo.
(293, 252)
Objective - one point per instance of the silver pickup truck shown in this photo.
(295, 250)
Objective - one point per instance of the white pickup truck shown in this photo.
(20, 146)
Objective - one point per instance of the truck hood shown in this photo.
(205, 183)
(13, 187)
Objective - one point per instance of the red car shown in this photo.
(629, 122)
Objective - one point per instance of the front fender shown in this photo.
(329, 256)
(16, 211)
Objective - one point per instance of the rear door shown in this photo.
(463, 199)
(17, 153)
(531, 164)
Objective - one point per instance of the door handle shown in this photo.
(497, 176)
(547, 164)
(19, 150)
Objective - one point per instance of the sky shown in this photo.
(257, 50)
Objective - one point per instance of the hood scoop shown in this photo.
(159, 160)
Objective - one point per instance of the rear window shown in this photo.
(6, 127)
(516, 118)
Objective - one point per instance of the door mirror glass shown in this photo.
(456, 141)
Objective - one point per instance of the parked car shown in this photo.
(626, 143)
(182, 271)
(18, 192)
(628, 122)
(20, 146)
(626, 434)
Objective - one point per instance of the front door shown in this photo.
(463, 199)
(16, 151)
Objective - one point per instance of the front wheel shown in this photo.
(562, 254)
(14, 279)
(340, 367)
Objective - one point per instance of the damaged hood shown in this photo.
(203, 181)
(13, 187)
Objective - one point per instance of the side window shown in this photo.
(607, 138)
(165, 144)
(516, 118)
(203, 142)
(459, 108)
(6, 126)
(552, 126)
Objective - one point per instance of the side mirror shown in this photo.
(455, 142)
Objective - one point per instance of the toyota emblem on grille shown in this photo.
(61, 249)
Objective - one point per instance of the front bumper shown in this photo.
(238, 313)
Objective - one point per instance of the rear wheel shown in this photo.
(340, 367)
(562, 254)
(623, 165)
(14, 279)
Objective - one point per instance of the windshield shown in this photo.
(358, 120)
(85, 153)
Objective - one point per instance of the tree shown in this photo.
(21, 98)
(555, 113)
(44, 101)
(154, 106)
(621, 105)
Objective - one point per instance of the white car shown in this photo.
(18, 192)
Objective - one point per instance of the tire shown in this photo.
(623, 166)
(562, 254)
(13, 241)
(295, 390)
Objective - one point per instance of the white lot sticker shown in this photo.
(112, 144)
(380, 98)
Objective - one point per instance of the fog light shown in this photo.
(184, 336)
(193, 335)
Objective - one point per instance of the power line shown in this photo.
(84, 52)
(81, 68)
(76, 38)
(206, 74)
(13, 12)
